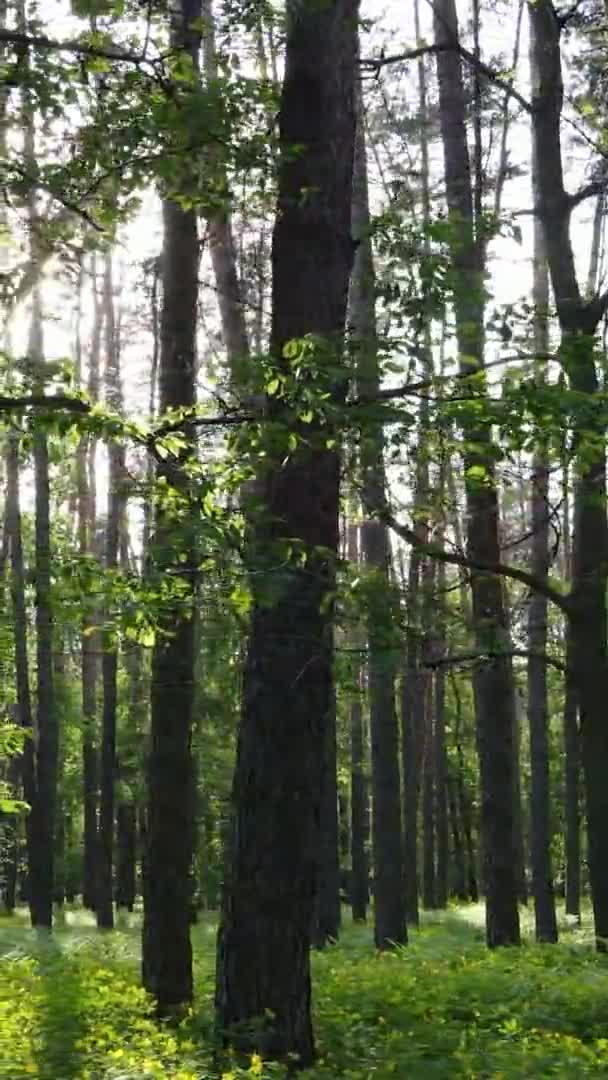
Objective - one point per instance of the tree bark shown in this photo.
(125, 855)
(263, 970)
(326, 921)
(359, 878)
(109, 659)
(538, 715)
(578, 320)
(494, 691)
(440, 752)
(389, 911)
(572, 752)
(87, 514)
(167, 951)
(429, 881)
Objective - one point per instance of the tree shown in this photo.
(494, 691)
(263, 969)
(167, 952)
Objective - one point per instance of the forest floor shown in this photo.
(444, 1007)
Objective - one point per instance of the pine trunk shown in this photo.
(263, 970)
(494, 690)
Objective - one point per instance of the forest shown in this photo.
(303, 539)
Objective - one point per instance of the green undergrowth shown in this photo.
(71, 1008)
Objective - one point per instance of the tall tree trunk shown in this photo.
(109, 659)
(494, 691)
(389, 911)
(429, 881)
(167, 951)
(578, 320)
(263, 968)
(464, 799)
(22, 674)
(87, 514)
(459, 879)
(439, 748)
(125, 855)
(572, 752)
(538, 713)
(359, 887)
(220, 235)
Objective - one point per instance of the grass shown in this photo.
(71, 1008)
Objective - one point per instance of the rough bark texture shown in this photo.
(494, 691)
(389, 912)
(263, 970)
(578, 322)
(167, 951)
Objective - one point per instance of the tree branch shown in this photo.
(81, 48)
(594, 187)
(463, 658)
(498, 569)
(375, 64)
(42, 401)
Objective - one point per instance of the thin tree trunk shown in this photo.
(125, 855)
(458, 856)
(389, 911)
(464, 800)
(538, 713)
(263, 968)
(167, 951)
(109, 659)
(494, 692)
(22, 676)
(359, 887)
(87, 514)
(572, 811)
(441, 761)
(429, 881)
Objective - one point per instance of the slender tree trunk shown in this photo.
(458, 854)
(579, 320)
(263, 970)
(389, 911)
(429, 880)
(441, 761)
(109, 659)
(464, 800)
(572, 788)
(87, 513)
(359, 887)
(538, 716)
(22, 675)
(125, 855)
(494, 692)
(167, 951)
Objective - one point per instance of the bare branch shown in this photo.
(498, 569)
(467, 657)
(594, 187)
(81, 48)
(376, 63)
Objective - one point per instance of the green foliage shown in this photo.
(444, 1007)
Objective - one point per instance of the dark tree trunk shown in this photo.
(170, 841)
(441, 787)
(519, 843)
(579, 320)
(389, 911)
(429, 881)
(572, 810)
(459, 879)
(125, 855)
(359, 886)
(326, 922)
(263, 970)
(464, 801)
(494, 691)
(412, 693)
